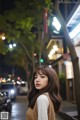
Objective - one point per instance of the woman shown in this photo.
(44, 99)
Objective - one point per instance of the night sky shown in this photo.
(6, 5)
(9, 4)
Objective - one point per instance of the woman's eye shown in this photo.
(35, 77)
(42, 76)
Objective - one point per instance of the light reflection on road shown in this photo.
(19, 109)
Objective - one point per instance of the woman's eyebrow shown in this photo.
(39, 74)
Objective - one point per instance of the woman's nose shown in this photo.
(37, 79)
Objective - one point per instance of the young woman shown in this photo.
(44, 99)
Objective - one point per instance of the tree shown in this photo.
(19, 27)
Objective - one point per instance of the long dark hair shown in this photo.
(52, 88)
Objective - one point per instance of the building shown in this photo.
(60, 58)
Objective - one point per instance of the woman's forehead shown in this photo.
(39, 72)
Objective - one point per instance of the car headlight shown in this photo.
(12, 91)
(8, 100)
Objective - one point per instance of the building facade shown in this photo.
(60, 58)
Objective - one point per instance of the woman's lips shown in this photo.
(37, 85)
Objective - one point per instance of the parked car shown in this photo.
(23, 90)
(5, 102)
(10, 90)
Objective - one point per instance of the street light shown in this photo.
(14, 44)
(56, 24)
(3, 38)
(11, 46)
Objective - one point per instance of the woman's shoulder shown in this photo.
(42, 101)
(43, 97)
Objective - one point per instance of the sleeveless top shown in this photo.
(32, 114)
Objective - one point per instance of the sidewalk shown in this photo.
(58, 117)
(68, 111)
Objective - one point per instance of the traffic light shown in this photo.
(41, 60)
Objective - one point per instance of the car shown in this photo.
(23, 90)
(10, 90)
(5, 102)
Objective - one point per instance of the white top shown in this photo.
(42, 103)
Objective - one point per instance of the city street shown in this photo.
(19, 109)
(37, 38)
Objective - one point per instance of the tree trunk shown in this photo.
(73, 54)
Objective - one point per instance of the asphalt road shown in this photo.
(19, 108)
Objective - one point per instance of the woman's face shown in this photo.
(40, 81)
